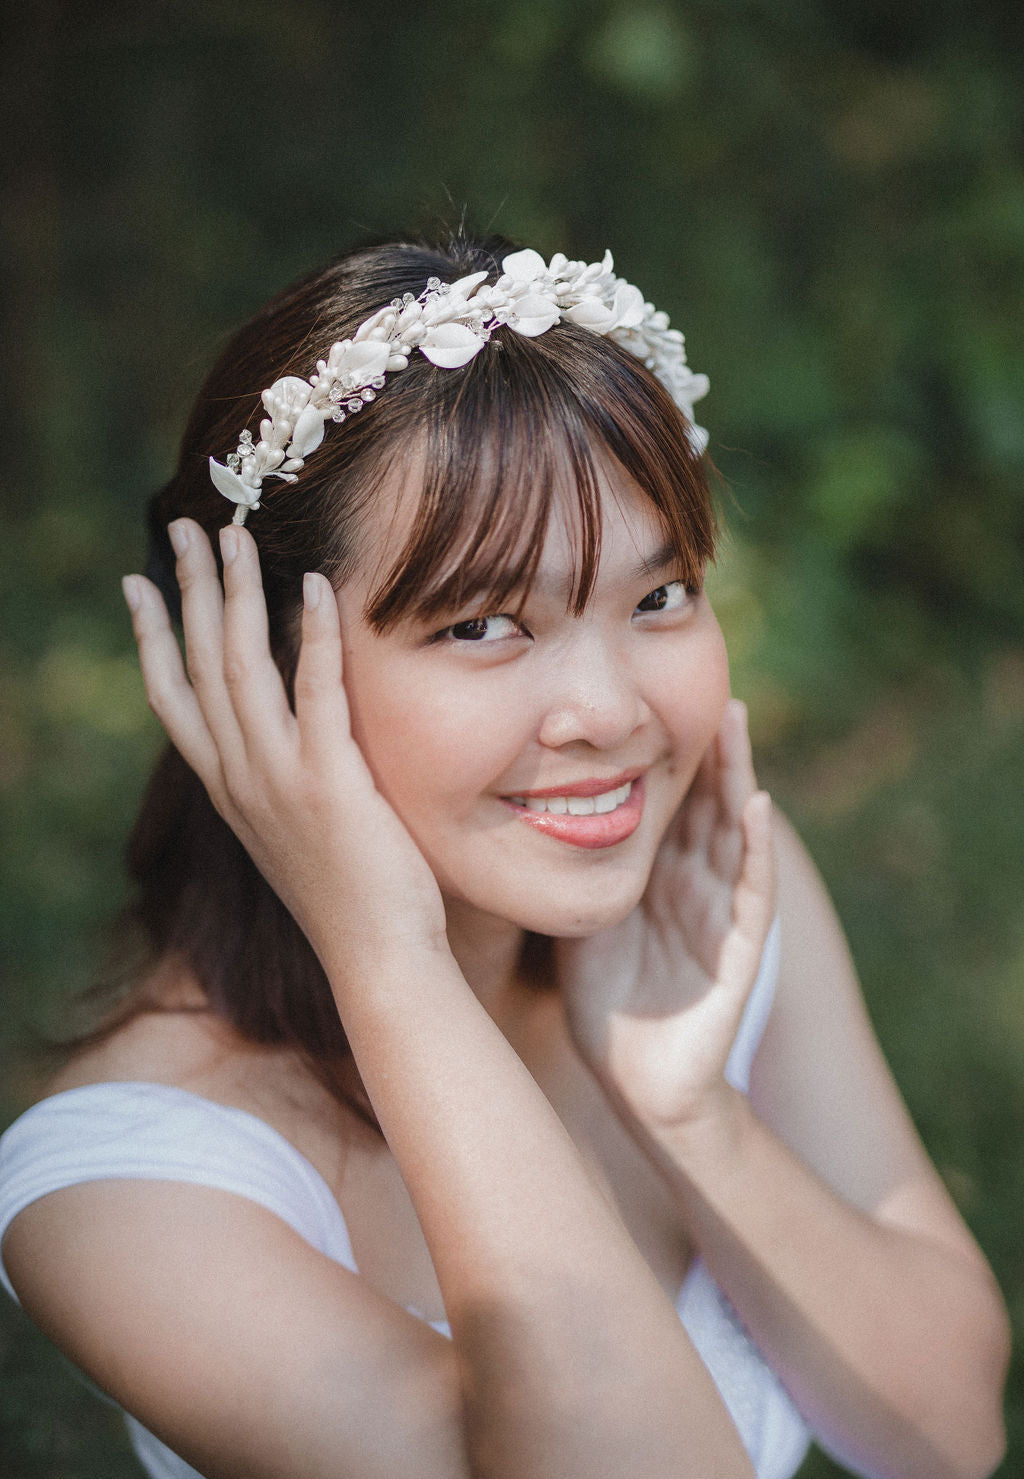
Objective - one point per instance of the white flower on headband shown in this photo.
(449, 323)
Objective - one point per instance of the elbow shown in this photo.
(952, 1424)
(987, 1451)
(994, 1366)
(984, 1379)
(996, 1452)
(991, 1443)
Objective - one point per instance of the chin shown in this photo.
(575, 913)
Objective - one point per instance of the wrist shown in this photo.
(709, 1136)
(364, 967)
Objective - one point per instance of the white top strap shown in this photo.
(153, 1132)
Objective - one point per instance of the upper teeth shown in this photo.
(575, 806)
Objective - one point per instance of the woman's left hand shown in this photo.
(654, 1002)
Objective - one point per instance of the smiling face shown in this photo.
(493, 735)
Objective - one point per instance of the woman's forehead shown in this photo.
(630, 530)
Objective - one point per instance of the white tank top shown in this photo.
(146, 1131)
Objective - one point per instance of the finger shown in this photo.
(734, 785)
(170, 695)
(321, 707)
(755, 890)
(754, 896)
(251, 677)
(202, 618)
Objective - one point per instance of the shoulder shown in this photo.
(821, 1080)
(218, 1308)
(178, 1042)
(820, 1068)
(808, 916)
(278, 1361)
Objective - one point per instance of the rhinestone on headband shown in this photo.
(450, 323)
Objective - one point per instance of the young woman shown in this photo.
(485, 1107)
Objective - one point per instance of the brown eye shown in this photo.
(666, 598)
(470, 631)
(483, 629)
(655, 601)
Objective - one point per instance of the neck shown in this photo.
(487, 950)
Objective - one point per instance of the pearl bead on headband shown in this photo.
(450, 323)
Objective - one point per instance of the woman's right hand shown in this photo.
(294, 787)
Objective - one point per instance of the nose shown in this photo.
(593, 697)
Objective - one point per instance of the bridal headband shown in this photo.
(449, 323)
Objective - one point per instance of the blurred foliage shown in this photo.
(827, 194)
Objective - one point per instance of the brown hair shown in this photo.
(497, 440)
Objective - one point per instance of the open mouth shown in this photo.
(598, 820)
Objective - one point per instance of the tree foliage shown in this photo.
(827, 196)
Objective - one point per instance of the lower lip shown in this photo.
(591, 831)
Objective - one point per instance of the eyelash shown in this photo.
(448, 633)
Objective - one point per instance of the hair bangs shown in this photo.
(494, 466)
(518, 433)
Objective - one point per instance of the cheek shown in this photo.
(698, 694)
(427, 742)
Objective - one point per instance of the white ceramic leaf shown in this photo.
(366, 359)
(463, 286)
(524, 266)
(591, 314)
(231, 485)
(697, 387)
(535, 315)
(450, 346)
(628, 307)
(308, 433)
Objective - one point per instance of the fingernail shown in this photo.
(177, 533)
(311, 591)
(228, 543)
(132, 589)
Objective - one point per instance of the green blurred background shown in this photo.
(827, 195)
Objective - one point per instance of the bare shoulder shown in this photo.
(818, 990)
(169, 1036)
(178, 1041)
(278, 1362)
(206, 1315)
(821, 1080)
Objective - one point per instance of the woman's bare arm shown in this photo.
(567, 1357)
(818, 1212)
(244, 1349)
